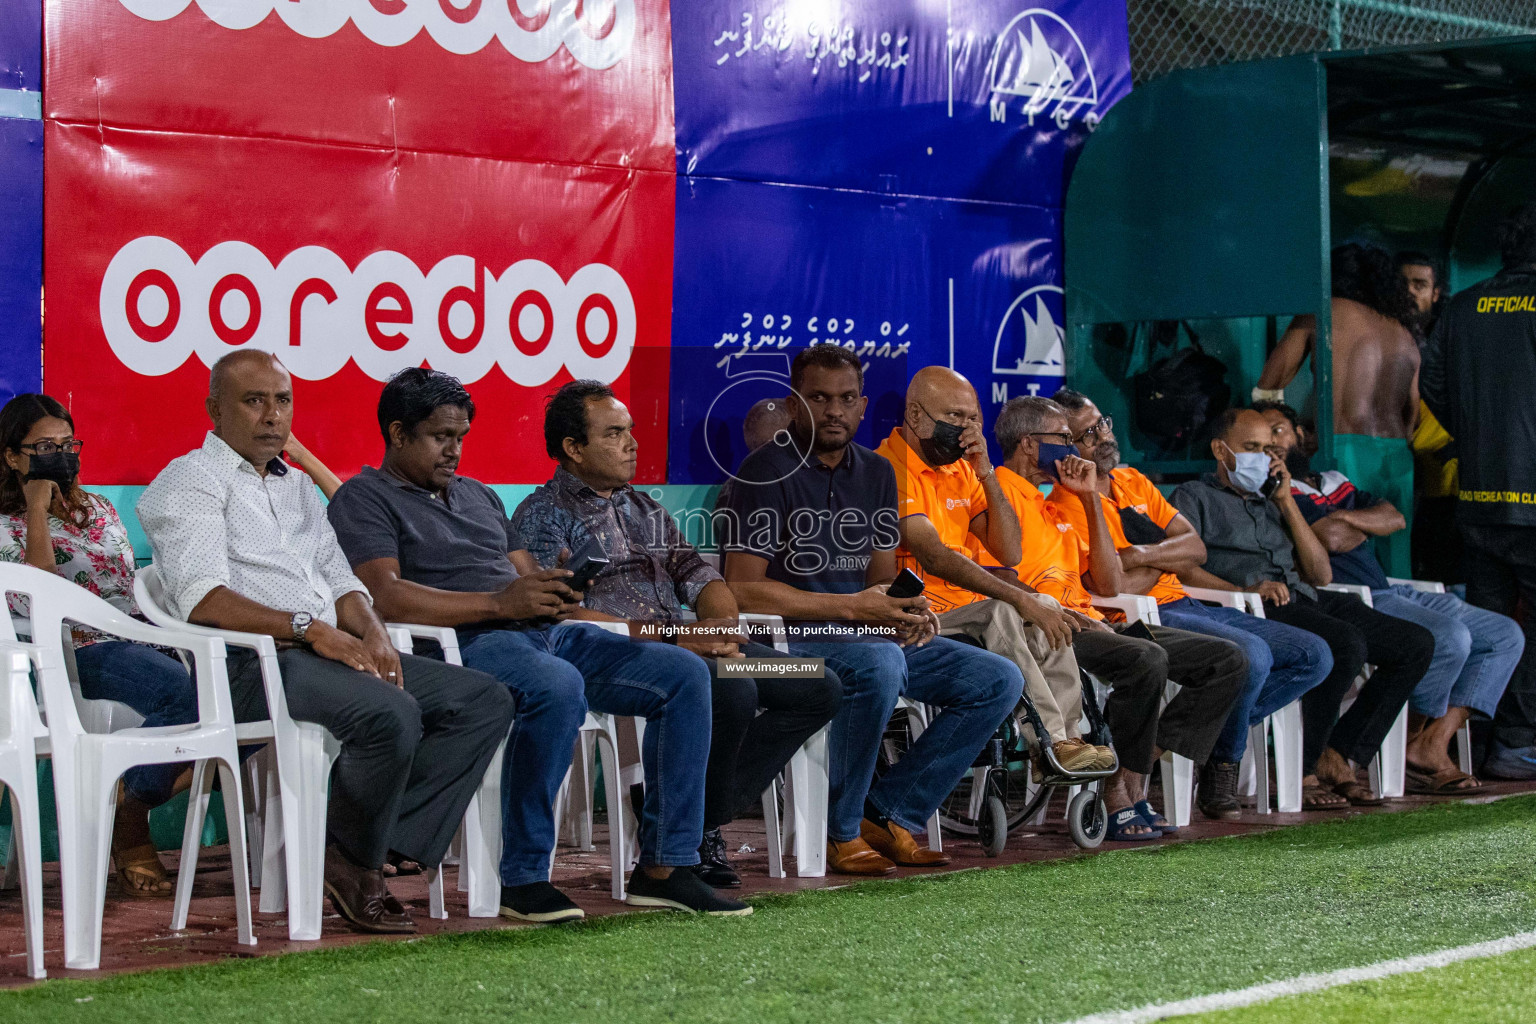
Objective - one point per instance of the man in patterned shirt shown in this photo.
(242, 543)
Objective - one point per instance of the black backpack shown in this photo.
(1177, 396)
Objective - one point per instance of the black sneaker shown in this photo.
(538, 902)
(681, 890)
(713, 866)
(1217, 795)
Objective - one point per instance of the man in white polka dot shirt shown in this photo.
(242, 543)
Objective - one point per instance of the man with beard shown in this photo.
(1064, 561)
(1476, 651)
(948, 497)
(1375, 378)
(1436, 545)
(811, 524)
(1155, 543)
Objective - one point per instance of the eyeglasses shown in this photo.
(52, 448)
(1059, 438)
(1101, 430)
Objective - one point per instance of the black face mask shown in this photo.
(60, 467)
(1299, 464)
(944, 446)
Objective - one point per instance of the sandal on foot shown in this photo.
(1116, 830)
(1445, 782)
(1321, 798)
(1156, 820)
(140, 873)
(1357, 794)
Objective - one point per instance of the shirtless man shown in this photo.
(1375, 379)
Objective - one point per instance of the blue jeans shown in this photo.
(557, 672)
(1283, 663)
(1476, 650)
(974, 692)
(154, 684)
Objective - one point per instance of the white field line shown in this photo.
(1310, 982)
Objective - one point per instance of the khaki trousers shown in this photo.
(1051, 681)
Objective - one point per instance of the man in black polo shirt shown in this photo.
(437, 548)
(811, 522)
(1254, 542)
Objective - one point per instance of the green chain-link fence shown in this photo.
(1170, 34)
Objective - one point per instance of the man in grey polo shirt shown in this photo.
(436, 548)
(1257, 539)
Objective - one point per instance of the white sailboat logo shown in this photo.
(1051, 79)
(1044, 339)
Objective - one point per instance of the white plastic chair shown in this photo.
(87, 766)
(1389, 766)
(1283, 725)
(22, 739)
(297, 773)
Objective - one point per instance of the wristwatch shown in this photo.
(299, 624)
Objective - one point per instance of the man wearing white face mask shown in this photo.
(1257, 539)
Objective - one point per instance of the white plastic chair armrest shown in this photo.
(778, 636)
(1137, 607)
(618, 628)
(402, 633)
(1426, 586)
(1227, 598)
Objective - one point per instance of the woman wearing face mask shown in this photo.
(47, 521)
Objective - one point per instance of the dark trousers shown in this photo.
(1398, 650)
(1210, 673)
(1501, 575)
(410, 758)
(747, 750)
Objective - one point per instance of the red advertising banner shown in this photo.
(569, 81)
(163, 251)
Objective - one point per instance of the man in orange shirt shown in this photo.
(1135, 660)
(1154, 543)
(946, 493)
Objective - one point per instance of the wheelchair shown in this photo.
(999, 793)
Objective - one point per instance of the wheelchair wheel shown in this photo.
(1087, 819)
(992, 828)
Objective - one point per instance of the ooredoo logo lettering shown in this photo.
(159, 306)
(531, 30)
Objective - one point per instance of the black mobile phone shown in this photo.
(906, 584)
(585, 573)
(1269, 486)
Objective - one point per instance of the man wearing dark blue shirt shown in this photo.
(811, 535)
(1476, 650)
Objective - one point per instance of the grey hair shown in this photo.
(1021, 417)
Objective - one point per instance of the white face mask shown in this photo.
(1251, 471)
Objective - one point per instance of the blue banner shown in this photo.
(764, 270)
(21, 256)
(966, 99)
(21, 45)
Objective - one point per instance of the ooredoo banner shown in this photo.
(349, 263)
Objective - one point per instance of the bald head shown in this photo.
(250, 400)
(763, 422)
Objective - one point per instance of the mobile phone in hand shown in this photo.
(585, 574)
(906, 584)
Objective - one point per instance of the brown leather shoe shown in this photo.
(360, 896)
(897, 845)
(855, 857)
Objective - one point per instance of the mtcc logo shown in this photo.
(1030, 341)
(159, 306)
(1040, 60)
(531, 30)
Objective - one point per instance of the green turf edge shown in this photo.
(1041, 942)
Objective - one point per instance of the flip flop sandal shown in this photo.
(1115, 830)
(1360, 796)
(1445, 782)
(1321, 798)
(1156, 820)
(140, 874)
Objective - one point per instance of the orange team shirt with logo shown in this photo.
(950, 496)
(1055, 551)
(1130, 489)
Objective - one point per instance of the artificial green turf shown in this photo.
(1498, 990)
(1045, 942)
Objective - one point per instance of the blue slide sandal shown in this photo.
(1156, 820)
(1119, 821)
